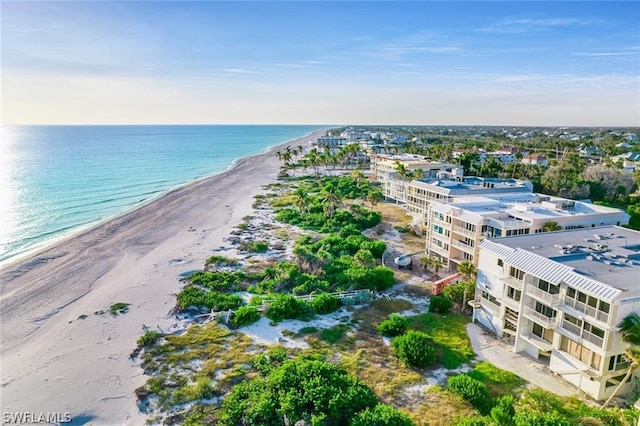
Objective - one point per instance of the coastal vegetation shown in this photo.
(119, 308)
(372, 363)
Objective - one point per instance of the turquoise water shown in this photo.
(57, 179)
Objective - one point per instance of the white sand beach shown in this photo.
(53, 361)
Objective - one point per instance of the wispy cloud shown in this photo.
(525, 25)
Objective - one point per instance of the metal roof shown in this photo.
(499, 249)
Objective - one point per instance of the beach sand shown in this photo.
(51, 360)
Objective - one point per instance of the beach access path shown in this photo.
(52, 360)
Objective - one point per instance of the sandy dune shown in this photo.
(53, 361)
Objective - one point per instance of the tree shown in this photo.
(551, 226)
(405, 175)
(468, 271)
(425, 261)
(630, 331)
(301, 200)
(436, 264)
(374, 196)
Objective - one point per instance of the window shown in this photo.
(545, 334)
(618, 362)
(500, 263)
(576, 350)
(545, 310)
(571, 292)
(594, 330)
(516, 273)
(549, 288)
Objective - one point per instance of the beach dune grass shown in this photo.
(119, 308)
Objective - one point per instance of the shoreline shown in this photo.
(80, 229)
(59, 354)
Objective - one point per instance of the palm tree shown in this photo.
(425, 261)
(436, 264)
(301, 200)
(374, 196)
(468, 271)
(331, 198)
(358, 178)
(551, 226)
(405, 175)
(630, 330)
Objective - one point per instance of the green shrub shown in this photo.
(394, 326)
(414, 349)
(256, 246)
(119, 308)
(216, 260)
(475, 421)
(149, 338)
(286, 306)
(325, 303)
(440, 304)
(300, 389)
(193, 296)
(333, 334)
(502, 413)
(381, 415)
(201, 389)
(471, 390)
(245, 315)
(530, 418)
(308, 330)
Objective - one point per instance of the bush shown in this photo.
(394, 326)
(325, 303)
(216, 260)
(256, 246)
(245, 315)
(414, 348)
(193, 296)
(503, 411)
(333, 334)
(149, 338)
(475, 421)
(381, 415)
(300, 389)
(440, 304)
(286, 306)
(471, 390)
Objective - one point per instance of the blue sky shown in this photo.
(499, 63)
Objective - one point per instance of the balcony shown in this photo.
(511, 303)
(441, 222)
(582, 307)
(463, 246)
(538, 342)
(512, 282)
(580, 333)
(439, 250)
(464, 231)
(541, 319)
(493, 307)
(571, 328)
(546, 297)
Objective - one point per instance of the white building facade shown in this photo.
(559, 296)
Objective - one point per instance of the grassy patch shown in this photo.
(378, 311)
(308, 330)
(119, 308)
(439, 407)
(449, 333)
(83, 316)
(333, 334)
(499, 382)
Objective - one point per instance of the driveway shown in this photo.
(489, 348)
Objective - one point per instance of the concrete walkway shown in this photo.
(497, 352)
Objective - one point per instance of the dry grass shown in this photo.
(437, 407)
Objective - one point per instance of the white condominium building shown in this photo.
(383, 170)
(454, 229)
(560, 296)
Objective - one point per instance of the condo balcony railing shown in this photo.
(543, 320)
(511, 303)
(582, 333)
(461, 245)
(463, 231)
(582, 307)
(546, 297)
(512, 282)
(493, 307)
(441, 251)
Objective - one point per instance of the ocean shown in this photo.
(56, 180)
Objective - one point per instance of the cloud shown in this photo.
(525, 25)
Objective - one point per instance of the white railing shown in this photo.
(548, 298)
(582, 307)
(512, 282)
(462, 245)
(495, 308)
(511, 303)
(441, 251)
(592, 338)
(571, 328)
(463, 231)
(541, 319)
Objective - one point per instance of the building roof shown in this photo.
(601, 261)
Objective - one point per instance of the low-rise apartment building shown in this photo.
(383, 170)
(560, 296)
